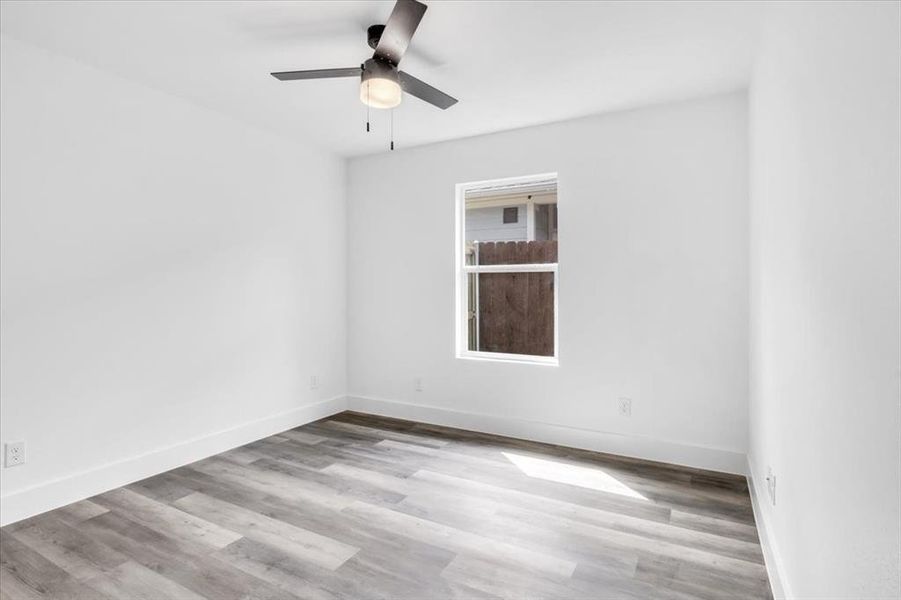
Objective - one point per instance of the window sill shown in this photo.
(520, 359)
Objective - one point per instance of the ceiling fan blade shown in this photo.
(424, 91)
(317, 74)
(399, 30)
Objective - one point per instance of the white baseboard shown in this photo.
(37, 499)
(771, 556)
(713, 459)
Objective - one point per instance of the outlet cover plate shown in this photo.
(14, 454)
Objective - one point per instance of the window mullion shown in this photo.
(524, 268)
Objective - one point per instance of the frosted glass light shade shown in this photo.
(379, 92)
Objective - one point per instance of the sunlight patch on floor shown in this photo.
(586, 477)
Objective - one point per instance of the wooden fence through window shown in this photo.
(516, 310)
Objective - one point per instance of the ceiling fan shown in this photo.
(381, 83)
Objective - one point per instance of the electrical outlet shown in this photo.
(314, 382)
(771, 485)
(625, 407)
(14, 454)
(417, 384)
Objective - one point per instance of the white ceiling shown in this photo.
(511, 64)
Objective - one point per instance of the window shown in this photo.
(511, 214)
(507, 269)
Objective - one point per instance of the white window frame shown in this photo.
(463, 271)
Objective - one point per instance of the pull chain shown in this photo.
(367, 106)
(391, 128)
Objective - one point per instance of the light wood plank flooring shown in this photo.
(363, 507)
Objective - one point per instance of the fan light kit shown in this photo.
(381, 83)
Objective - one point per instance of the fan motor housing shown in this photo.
(374, 34)
(380, 69)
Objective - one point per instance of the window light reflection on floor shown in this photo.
(590, 478)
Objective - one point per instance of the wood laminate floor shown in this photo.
(362, 507)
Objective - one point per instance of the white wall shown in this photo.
(168, 274)
(653, 284)
(825, 397)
